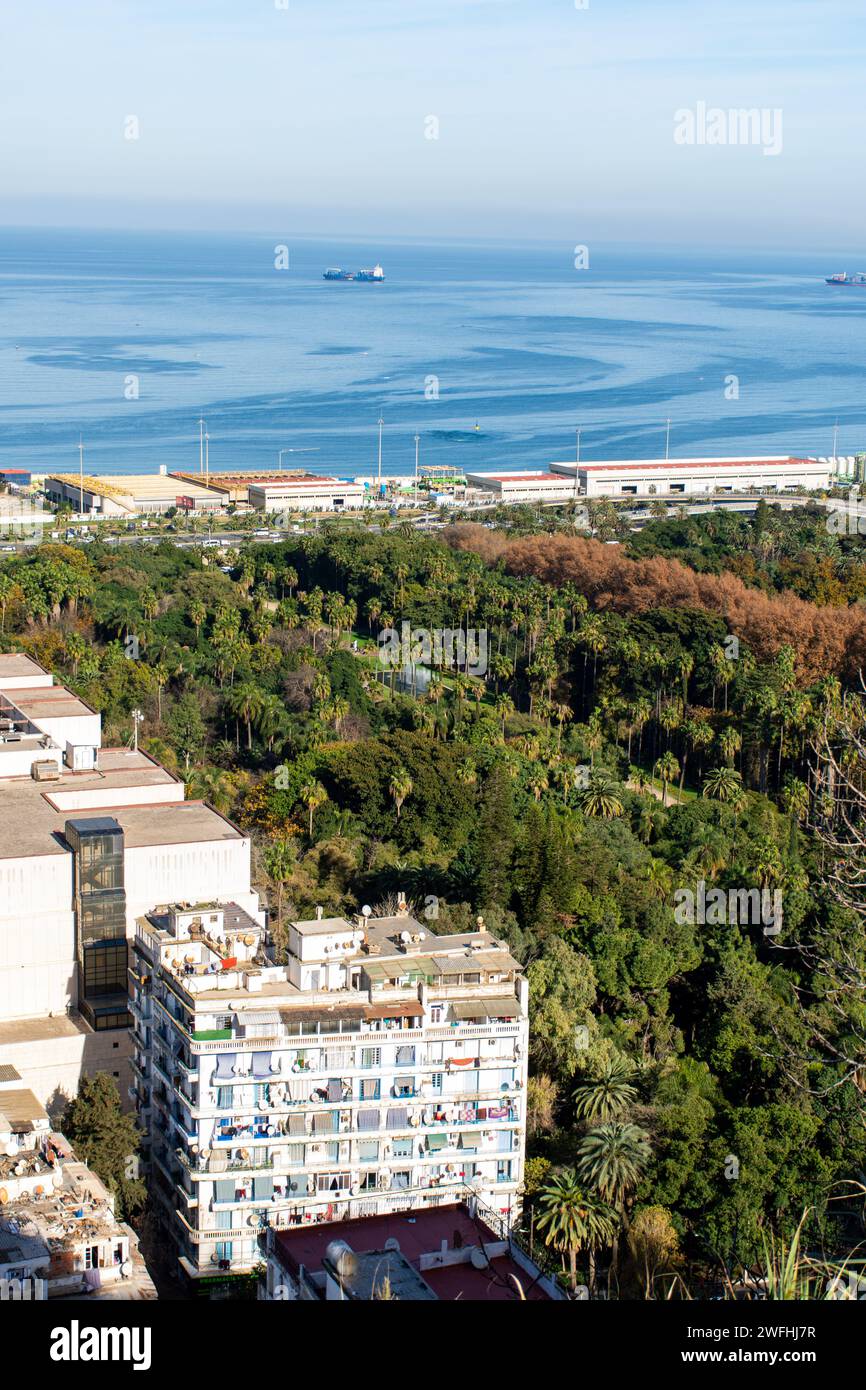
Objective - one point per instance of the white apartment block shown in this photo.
(380, 1068)
(91, 839)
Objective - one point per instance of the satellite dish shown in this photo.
(478, 1258)
(366, 911)
(392, 1244)
(405, 937)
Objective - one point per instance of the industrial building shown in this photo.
(93, 837)
(523, 486)
(379, 1069)
(309, 492)
(686, 477)
(129, 495)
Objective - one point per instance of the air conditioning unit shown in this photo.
(45, 770)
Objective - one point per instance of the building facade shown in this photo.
(381, 1068)
(686, 477)
(515, 487)
(93, 837)
(311, 493)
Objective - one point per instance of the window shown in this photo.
(368, 1151)
(333, 1182)
(371, 1057)
(402, 1148)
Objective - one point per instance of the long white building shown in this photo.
(685, 477)
(90, 838)
(380, 1068)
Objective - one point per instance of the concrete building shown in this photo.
(92, 838)
(59, 1236)
(450, 1252)
(531, 486)
(129, 495)
(308, 493)
(649, 478)
(380, 1069)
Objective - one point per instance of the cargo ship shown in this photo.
(377, 274)
(844, 279)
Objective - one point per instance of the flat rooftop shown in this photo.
(416, 1233)
(517, 477)
(14, 664)
(48, 702)
(33, 822)
(138, 486)
(672, 465)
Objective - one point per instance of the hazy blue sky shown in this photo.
(554, 122)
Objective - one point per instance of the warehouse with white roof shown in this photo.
(690, 476)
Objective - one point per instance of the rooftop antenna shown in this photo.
(137, 718)
(379, 475)
(667, 440)
(81, 474)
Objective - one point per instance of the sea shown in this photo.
(493, 355)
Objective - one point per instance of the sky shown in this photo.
(551, 122)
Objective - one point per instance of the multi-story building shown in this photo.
(380, 1068)
(91, 838)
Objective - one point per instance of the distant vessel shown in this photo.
(377, 273)
(335, 273)
(844, 279)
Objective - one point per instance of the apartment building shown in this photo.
(91, 838)
(381, 1068)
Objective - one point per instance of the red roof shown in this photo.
(418, 1233)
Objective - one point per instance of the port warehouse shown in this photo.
(310, 493)
(129, 495)
(672, 477)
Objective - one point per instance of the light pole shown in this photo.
(379, 474)
(81, 475)
(667, 440)
(577, 464)
(417, 443)
(137, 718)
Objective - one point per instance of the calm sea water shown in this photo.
(512, 340)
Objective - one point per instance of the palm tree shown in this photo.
(572, 1219)
(600, 797)
(724, 784)
(280, 863)
(197, 615)
(247, 702)
(608, 1094)
(612, 1158)
(400, 786)
(668, 769)
(313, 795)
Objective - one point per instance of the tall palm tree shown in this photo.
(572, 1219)
(313, 795)
(400, 786)
(668, 769)
(607, 1094)
(612, 1158)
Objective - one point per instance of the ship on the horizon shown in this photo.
(337, 273)
(843, 278)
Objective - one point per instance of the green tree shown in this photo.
(106, 1140)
